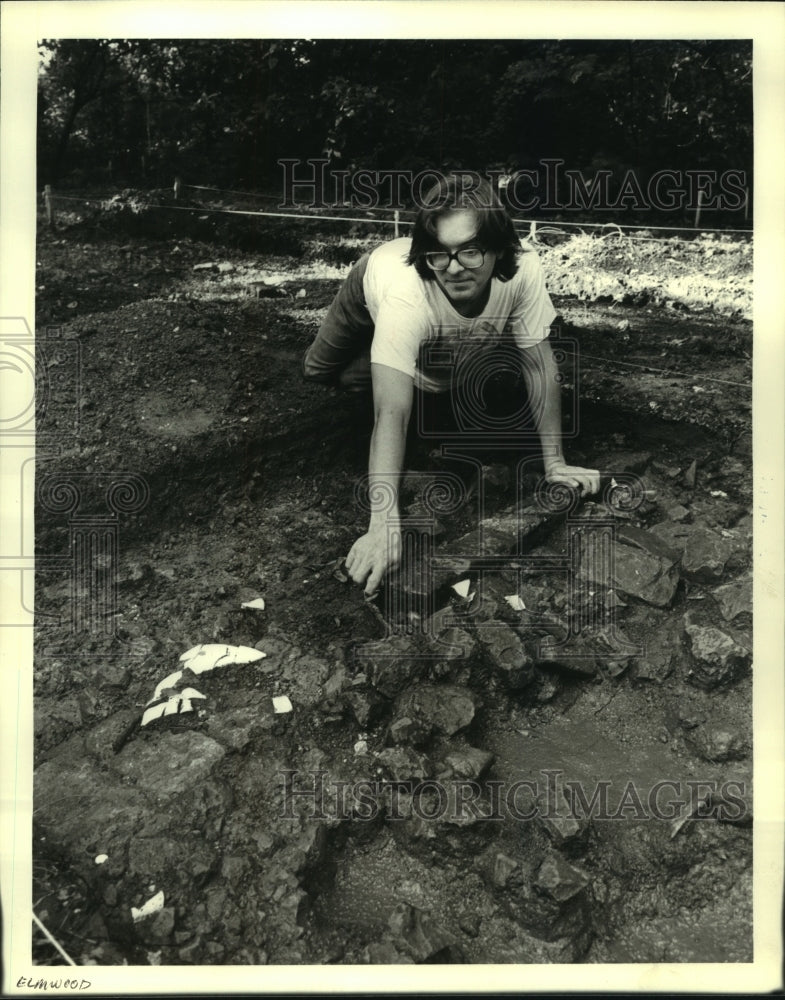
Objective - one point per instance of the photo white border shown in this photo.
(23, 24)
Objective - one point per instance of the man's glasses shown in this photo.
(470, 258)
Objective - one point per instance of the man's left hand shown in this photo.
(586, 480)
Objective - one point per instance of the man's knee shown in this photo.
(313, 371)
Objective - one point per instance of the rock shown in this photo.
(505, 653)
(734, 598)
(705, 555)
(447, 708)
(469, 762)
(113, 674)
(646, 541)
(108, 737)
(452, 644)
(390, 664)
(295, 907)
(559, 879)
(469, 922)
(419, 936)
(555, 816)
(155, 857)
(633, 572)
(235, 729)
(574, 656)
(403, 764)
(384, 952)
(718, 658)
(690, 475)
(498, 535)
(190, 953)
(169, 764)
(407, 730)
(547, 688)
(335, 683)
(718, 745)
(160, 928)
(367, 706)
(677, 513)
(656, 664)
(503, 868)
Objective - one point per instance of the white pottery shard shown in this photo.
(462, 588)
(154, 713)
(178, 704)
(153, 905)
(515, 602)
(167, 682)
(281, 704)
(200, 659)
(257, 604)
(187, 693)
(101, 859)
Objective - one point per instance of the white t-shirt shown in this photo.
(418, 331)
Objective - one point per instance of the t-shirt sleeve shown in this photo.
(401, 326)
(532, 312)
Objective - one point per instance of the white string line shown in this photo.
(272, 215)
(402, 222)
(52, 941)
(544, 222)
(666, 371)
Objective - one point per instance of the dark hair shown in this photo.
(496, 231)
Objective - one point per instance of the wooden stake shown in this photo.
(50, 208)
(397, 217)
(698, 209)
(176, 188)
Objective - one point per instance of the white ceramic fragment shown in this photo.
(167, 682)
(281, 704)
(462, 588)
(614, 483)
(515, 602)
(101, 859)
(191, 693)
(154, 713)
(200, 659)
(153, 905)
(179, 703)
(257, 604)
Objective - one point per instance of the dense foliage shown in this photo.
(225, 112)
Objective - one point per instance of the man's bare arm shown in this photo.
(378, 551)
(545, 403)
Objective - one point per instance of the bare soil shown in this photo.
(176, 413)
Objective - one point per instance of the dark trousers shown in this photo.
(341, 352)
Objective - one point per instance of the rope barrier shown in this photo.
(394, 222)
(541, 224)
(52, 941)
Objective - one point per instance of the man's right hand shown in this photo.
(373, 555)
